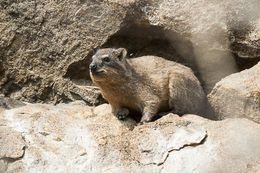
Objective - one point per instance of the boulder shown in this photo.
(238, 95)
(78, 138)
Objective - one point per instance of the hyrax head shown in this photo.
(107, 63)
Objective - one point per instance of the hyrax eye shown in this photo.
(106, 59)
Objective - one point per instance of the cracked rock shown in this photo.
(154, 144)
(79, 138)
(231, 146)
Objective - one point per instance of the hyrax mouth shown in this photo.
(94, 72)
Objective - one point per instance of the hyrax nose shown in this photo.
(93, 67)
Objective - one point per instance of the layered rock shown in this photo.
(238, 95)
(77, 138)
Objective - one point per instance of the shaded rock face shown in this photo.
(77, 138)
(45, 47)
(238, 95)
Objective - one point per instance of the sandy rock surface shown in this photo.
(77, 138)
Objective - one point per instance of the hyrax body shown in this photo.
(146, 84)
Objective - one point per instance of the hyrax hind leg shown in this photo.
(185, 93)
(120, 113)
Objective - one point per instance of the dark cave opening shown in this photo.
(139, 40)
(144, 40)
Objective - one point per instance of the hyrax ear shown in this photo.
(120, 53)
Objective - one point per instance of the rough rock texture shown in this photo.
(45, 46)
(245, 46)
(12, 146)
(40, 39)
(208, 23)
(77, 138)
(10, 103)
(238, 95)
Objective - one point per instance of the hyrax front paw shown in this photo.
(122, 113)
(140, 123)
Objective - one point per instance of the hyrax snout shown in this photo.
(147, 84)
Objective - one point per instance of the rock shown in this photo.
(228, 148)
(246, 45)
(238, 95)
(202, 17)
(204, 22)
(78, 138)
(10, 103)
(40, 40)
(12, 146)
(213, 28)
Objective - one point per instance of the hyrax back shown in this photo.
(146, 84)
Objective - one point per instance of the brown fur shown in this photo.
(146, 84)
